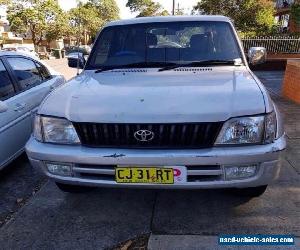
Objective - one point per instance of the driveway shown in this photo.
(101, 219)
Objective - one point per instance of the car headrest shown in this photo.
(199, 40)
(151, 39)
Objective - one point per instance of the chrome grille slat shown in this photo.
(94, 170)
(204, 172)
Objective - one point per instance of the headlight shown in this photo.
(55, 130)
(248, 130)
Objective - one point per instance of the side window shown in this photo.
(6, 86)
(43, 71)
(26, 72)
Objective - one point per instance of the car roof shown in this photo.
(15, 53)
(169, 19)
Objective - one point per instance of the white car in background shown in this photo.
(24, 82)
(22, 49)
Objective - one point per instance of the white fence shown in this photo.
(276, 44)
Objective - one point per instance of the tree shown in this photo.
(38, 17)
(87, 18)
(5, 2)
(107, 10)
(248, 15)
(146, 8)
(59, 28)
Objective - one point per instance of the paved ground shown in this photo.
(102, 218)
(60, 65)
(18, 183)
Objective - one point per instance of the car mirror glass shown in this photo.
(76, 60)
(257, 55)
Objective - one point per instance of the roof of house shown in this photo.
(157, 19)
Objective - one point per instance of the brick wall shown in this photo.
(291, 84)
(294, 26)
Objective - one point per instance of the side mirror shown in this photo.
(76, 60)
(3, 107)
(257, 55)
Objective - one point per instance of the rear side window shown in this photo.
(43, 71)
(26, 72)
(6, 86)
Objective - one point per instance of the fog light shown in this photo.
(239, 172)
(59, 169)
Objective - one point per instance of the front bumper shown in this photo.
(95, 166)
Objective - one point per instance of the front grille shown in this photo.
(168, 136)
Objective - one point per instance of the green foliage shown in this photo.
(248, 15)
(5, 2)
(295, 12)
(84, 19)
(138, 5)
(107, 10)
(45, 19)
(164, 13)
(146, 8)
(59, 28)
(88, 18)
(39, 17)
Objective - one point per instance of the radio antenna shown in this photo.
(78, 37)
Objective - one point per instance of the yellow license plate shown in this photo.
(152, 175)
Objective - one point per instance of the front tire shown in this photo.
(72, 188)
(251, 191)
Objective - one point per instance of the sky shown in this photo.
(125, 12)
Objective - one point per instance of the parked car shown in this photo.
(147, 113)
(84, 49)
(73, 53)
(22, 49)
(24, 82)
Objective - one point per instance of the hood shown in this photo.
(148, 96)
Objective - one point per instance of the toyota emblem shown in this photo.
(144, 135)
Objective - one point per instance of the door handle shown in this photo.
(19, 107)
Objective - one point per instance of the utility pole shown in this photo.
(178, 10)
(173, 8)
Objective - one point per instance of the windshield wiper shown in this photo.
(135, 65)
(200, 63)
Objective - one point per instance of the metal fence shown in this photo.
(276, 44)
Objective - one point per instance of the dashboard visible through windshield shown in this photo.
(164, 44)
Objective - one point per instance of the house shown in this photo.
(283, 16)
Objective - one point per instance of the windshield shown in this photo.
(163, 44)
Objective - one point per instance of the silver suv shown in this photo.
(163, 102)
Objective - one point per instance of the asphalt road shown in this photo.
(102, 218)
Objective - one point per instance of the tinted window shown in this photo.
(43, 71)
(164, 43)
(26, 71)
(6, 86)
